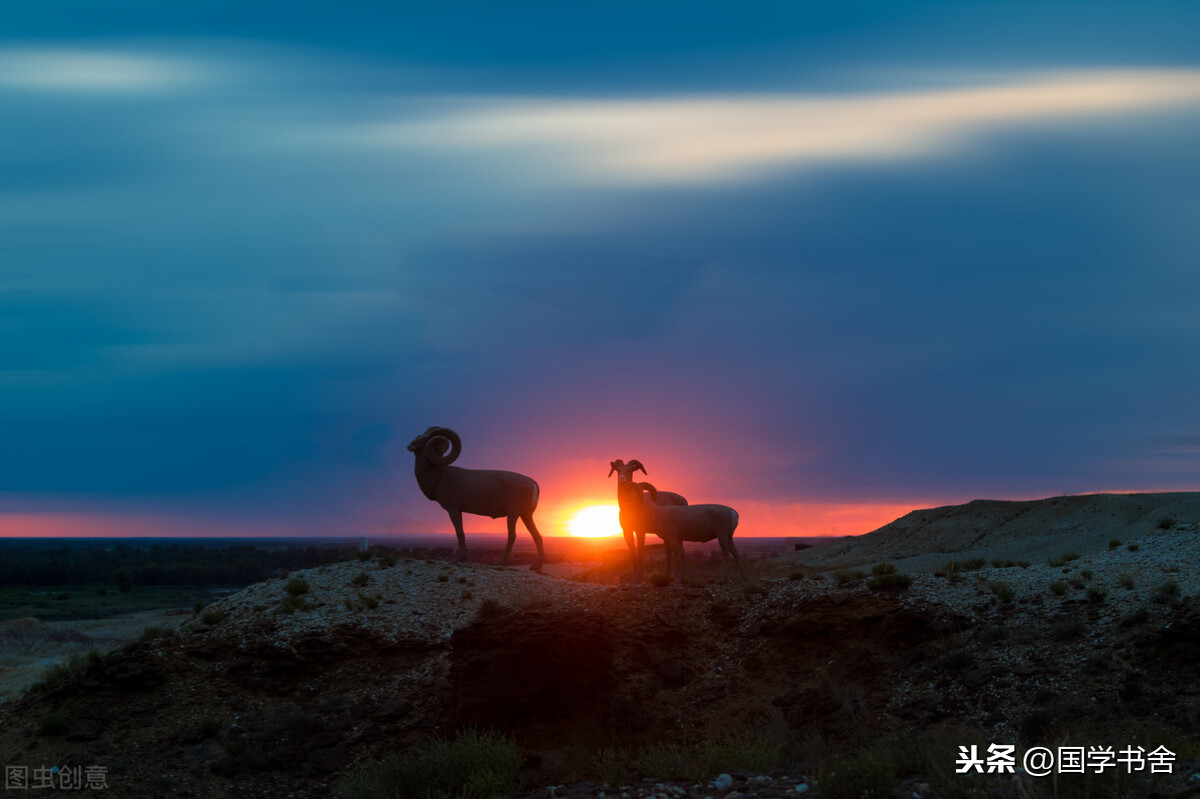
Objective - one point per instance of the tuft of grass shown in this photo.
(472, 765)
(368, 601)
(1113, 543)
(1125, 581)
(296, 586)
(360, 579)
(880, 569)
(974, 564)
(490, 608)
(61, 671)
(1058, 587)
(1086, 574)
(1002, 590)
(363, 554)
(213, 617)
(890, 581)
(1170, 588)
(154, 632)
(467, 593)
(660, 579)
(293, 603)
(847, 576)
(1003, 563)
(387, 561)
(443, 578)
(796, 575)
(671, 760)
(1166, 523)
(1096, 595)
(1133, 547)
(613, 766)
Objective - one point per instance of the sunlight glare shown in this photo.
(595, 521)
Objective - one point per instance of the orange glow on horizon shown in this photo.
(595, 521)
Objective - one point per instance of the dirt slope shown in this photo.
(1033, 530)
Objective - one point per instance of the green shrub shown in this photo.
(360, 579)
(1166, 523)
(847, 576)
(293, 603)
(1113, 543)
(889, 582)
(974, 564)
(61, 671)
(613, 766)
(153, 633)
(472, 765)
(387, 561)
(1024, 564)
(369, 601)
(296, 586)
(880, 569)
(1170, 588)
(1096, 595)
(1058, 587)
(213, 617)
(1003, 591)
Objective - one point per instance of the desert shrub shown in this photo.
(387, 561)
(846, 576)
(1003, 563)
(368, 601)
(296, 586)
(363, 554)
(490, 608)
(1125, 581)
(796, 575)
(1002, 590)
(1075, 582)
(293, 603)
(1086, 574)
(465, 581)
(1170, 587)
(213, 617)
(154, 632)
(52, 724)
(1024, 564)
(443, 578)
(613, 766)
(349, 603)
(889, 582)
(1113, 543)
(467, 593)
(1136, 619)
(61, 671)
(360, 579)
(1133, 547)
(1166, 523)
(1058, 587)
(1096, 595)
(880, 569)
(660, 579)
(974, 564)
(472, 765)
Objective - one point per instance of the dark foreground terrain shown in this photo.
(797, 683)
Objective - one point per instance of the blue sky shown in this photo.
(796, 258)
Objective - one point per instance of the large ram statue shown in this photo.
(631, 518)
(483, 492)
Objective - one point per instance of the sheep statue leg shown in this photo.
(527, 518)
(728, 549)
(456, 520)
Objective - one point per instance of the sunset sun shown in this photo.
(595, 521)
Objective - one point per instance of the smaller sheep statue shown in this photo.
(675, 524)
(483, 492)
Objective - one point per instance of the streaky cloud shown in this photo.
(74, 69)
(698, 139)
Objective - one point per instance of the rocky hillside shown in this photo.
(283, 688)
(1034, 530)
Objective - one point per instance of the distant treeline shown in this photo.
(128, 565)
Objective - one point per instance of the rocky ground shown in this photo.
(279, 693)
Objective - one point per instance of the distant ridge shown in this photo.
(1032, 530)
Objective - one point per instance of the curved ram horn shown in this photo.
(647, 487)
(635, 465)
(614, 465)
(436, 445)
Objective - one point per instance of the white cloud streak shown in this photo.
(93, 71)
(702, 139)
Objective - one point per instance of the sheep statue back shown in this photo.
(631, 518)
(675, 524)
(482, 492)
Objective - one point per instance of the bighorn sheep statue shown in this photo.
(675, 524)
(484, 492)
(629, 504)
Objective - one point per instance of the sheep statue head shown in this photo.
(483, 492)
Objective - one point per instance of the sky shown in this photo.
(823, 262)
